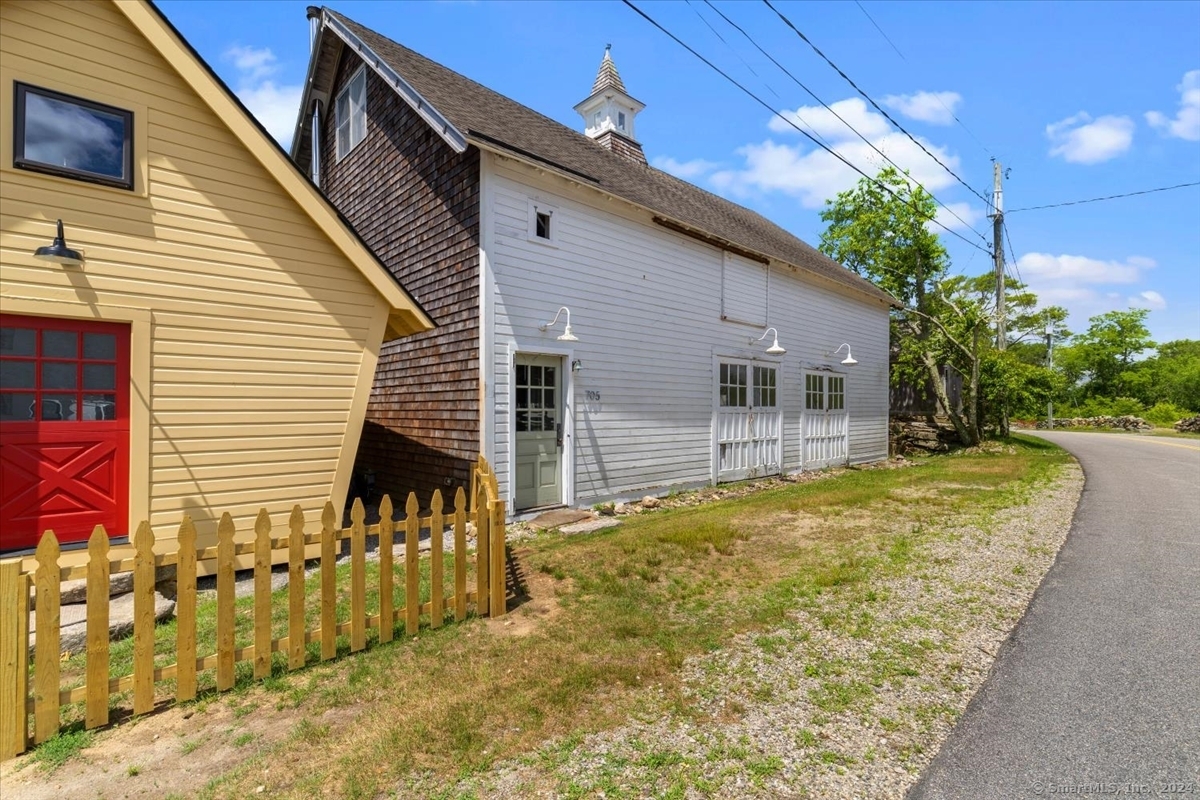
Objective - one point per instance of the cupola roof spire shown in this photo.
(607, 76)
(609, 112)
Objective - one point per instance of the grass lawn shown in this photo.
(619, 612)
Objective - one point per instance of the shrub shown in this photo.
(1165, 414)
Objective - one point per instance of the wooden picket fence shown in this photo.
(486, 509)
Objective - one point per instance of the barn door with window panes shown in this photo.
(64, 429)
(824, 423)
(748, 424)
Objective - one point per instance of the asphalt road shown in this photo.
(1097, 691)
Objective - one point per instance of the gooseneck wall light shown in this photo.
(58, 252)
(566, 336)
(849, 360)
(774, 349)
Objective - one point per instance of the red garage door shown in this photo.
(64, 429)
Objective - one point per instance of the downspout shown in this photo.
(316, 143)
(314, 30)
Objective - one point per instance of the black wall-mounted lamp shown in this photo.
(58, 252)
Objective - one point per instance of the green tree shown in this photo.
(1101, 360)
(1171, 376)
(882, 235)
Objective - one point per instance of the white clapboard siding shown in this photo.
(647, 304)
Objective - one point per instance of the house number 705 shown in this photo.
(591, 396)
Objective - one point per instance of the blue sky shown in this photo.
(1078, 99)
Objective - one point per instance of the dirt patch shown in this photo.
(536, 605)
(175, 751)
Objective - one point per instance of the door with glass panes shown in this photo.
(747, 426)
(539, 431)
(824, 423)
(64, 429)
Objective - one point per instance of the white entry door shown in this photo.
(539, 431)
(747, 427)
(824, 425)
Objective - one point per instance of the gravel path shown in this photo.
(851, 698)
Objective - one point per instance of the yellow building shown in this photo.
(204, 335)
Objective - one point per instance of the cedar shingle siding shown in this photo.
(415, 202)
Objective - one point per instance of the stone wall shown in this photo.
(913, 434)
(1126, 423)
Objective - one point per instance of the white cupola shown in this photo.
(608, 112)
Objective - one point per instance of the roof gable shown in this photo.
(495, 122)
(406, 316)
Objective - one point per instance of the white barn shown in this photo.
(662, 370)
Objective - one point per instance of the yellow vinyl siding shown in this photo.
(262, 329)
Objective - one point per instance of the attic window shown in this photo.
(72, 137)
(621, 120)
(543, 223)
(351, 110)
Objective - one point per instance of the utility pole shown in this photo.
(1050, 357)
(998, 248)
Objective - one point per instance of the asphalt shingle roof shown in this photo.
(486, 116)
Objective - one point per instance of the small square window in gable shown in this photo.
(543, 223)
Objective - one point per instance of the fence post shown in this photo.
(358, 576)
(499, 602)
(482, 550)
(412, 565)
(296, 588)
(143, 619)
(262, 594)
(185, 613)
(14, 658)
(387, 598)
(225, 598)
(328, 584)
(437, 601)
(45, 665)
(460, 555)
(97, 629)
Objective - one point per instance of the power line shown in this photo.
(805, 133)
(1013, 252)
(881, 33)
(1109, 197)
(745, 63)
(840, 118)
(935, 95)
(869, 99)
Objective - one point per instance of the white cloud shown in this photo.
(1089, 286)
(964, 216)
(824, 122)
(253, 63)
(1043, 267)
(274, 105)
(1148, 299)
(688, 170)
(813, 175)
(1082, 140)
(936, 108)
(1186, 124)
